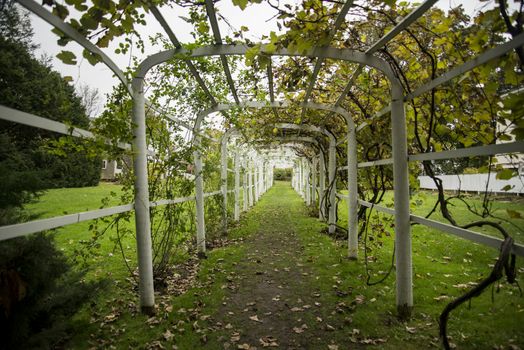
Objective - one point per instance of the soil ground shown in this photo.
(271, 296)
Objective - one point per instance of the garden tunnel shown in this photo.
(315, 178)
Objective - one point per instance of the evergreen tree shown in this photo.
(30, 85)
(39, 291)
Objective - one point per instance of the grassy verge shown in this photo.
(422, 202)
(442, 265)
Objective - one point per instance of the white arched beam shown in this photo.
(332, 169)
(352, 170)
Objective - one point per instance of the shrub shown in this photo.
(282, 174)
(39, 293)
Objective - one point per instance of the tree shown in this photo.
(91, 99)
(30, 85)
(39, 291)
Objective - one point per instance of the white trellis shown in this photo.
(257, 176)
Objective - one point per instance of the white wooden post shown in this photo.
(314, 180)
(237, 186)
(245, 196)
(260, 178)
(352, 193)
(223, 177)
(322, 189)
(255, 180)
(301, 177)
(250, 185)
(199, 198)
(333, 185)
(142, 218)
(308, 184)
(404, 282)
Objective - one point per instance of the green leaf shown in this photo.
(67, 57)
(92, 58)
(88, 22)
(103, 4)
(203, 27)
(506, 188)
(63, 41)
(514, 214)
(441, 129)
(505, 174)
(519, 133)
(60, 11)
(251, 53)
(104, 41)
(263, 61)
(241, 3)
(270, 48)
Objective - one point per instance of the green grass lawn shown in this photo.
(443, 265)
(64, 201)
(422, 202)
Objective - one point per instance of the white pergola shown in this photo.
(309, 176)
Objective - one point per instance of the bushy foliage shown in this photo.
(39, 292)
(30, 85)
(20, 181)
(282, 174)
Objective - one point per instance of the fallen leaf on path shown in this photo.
(111, 318)
(359, 299)
(168, 335)
(268, 341)
(235, 337)
(300, 329)
(254, 318)
(154, 345)
(369, 341)
(152, 321)
(411, 330)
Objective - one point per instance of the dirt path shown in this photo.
(271, 299)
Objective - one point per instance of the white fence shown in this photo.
(475, 183)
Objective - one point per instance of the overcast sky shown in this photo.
(256, 18)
